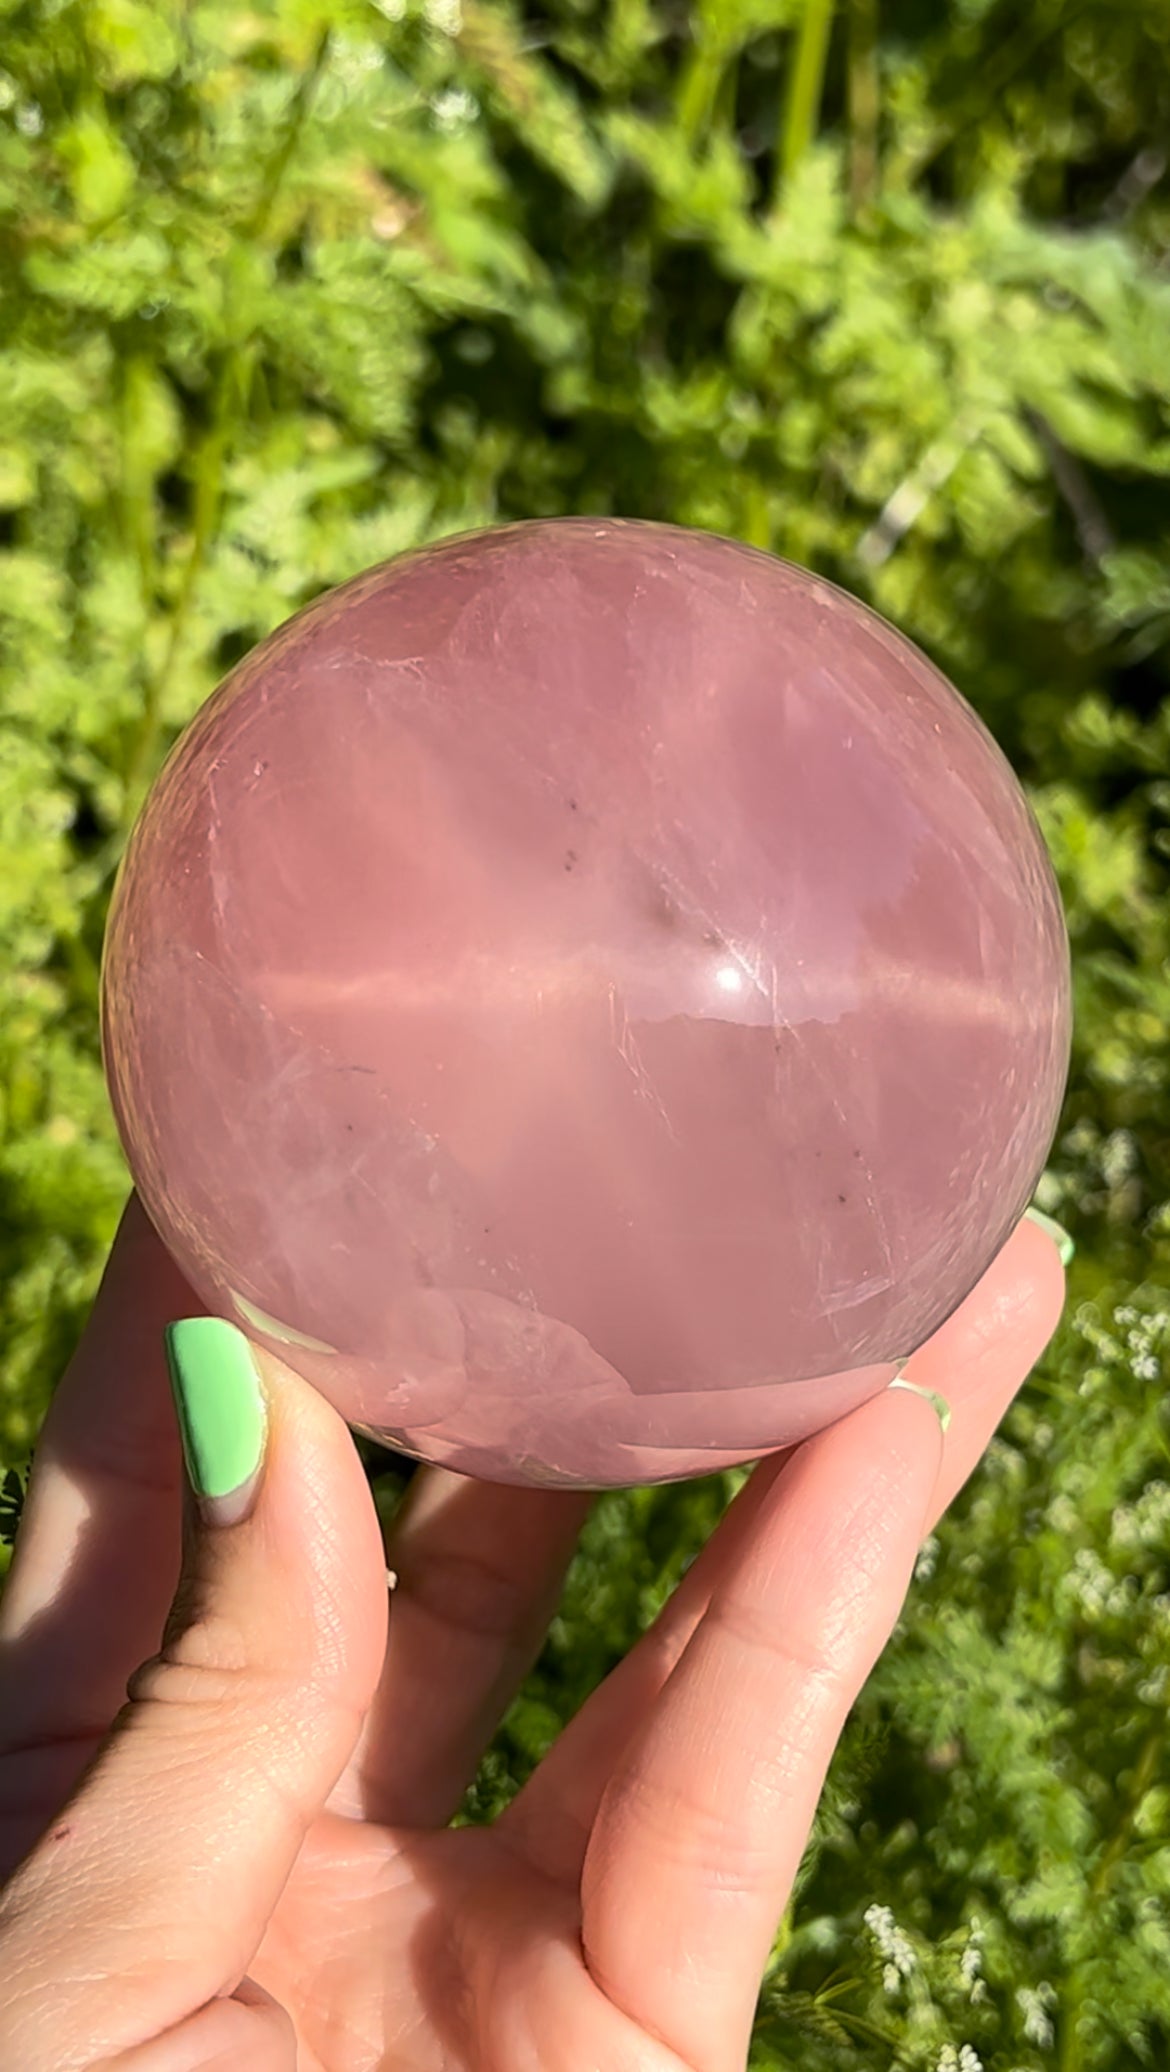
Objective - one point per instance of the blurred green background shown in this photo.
(883, 286)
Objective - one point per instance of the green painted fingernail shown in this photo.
(939, 1404)
(221, 1414)
(1056, 1231)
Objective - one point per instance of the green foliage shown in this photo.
(882, 287)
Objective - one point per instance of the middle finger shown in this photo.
(478, 1569)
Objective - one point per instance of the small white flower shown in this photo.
(1033, 2003)
(446, 16)
(1062, 1514)
(1146, 1521)
(892, 1945)
(453, 108)
(971, 1965)
(1119, 1157)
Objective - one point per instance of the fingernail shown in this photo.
(221, 1414)
(1056, 1231)
(938, 1403)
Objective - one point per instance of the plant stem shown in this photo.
(279, 162)
(208, 487)
(1148, 1765)
(702, 76)
(137, 479)
(806, 82)
(1149, 1762)
(228, 402)
(864, 101)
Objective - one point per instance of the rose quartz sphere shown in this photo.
(589, 995)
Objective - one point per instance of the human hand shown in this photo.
(247, 1865)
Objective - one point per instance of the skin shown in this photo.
(244, 1864)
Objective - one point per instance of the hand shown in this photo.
(249, 1868)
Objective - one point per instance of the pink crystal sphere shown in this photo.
(591, 996)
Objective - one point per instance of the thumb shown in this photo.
(150, 1894)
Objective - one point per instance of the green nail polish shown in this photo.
(938, 1404)
(221, 1413)
(1056, 1231)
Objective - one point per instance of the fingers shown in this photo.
(983, 1353)
(97, 1556)
(700, 1829)
(698, 1764)
(249, 2032)
(551, 1817)
(149, 1895)
(479, 1569)
(98, 1560)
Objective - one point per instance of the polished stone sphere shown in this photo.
(591, 996)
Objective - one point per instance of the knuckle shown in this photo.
(204, 1659)
(821, 1652)
(167, 1683)
(692, 1833)
(466, 1593)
